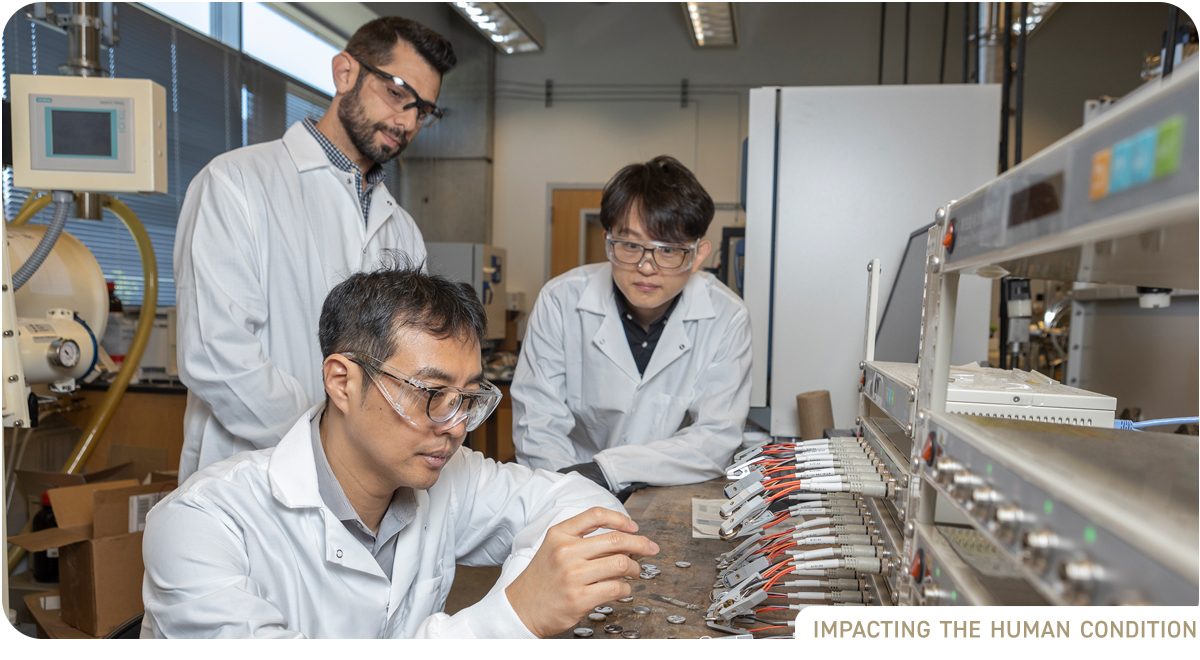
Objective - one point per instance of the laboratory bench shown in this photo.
(664, 515)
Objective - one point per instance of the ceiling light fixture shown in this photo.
(511, 26)
(713, 24)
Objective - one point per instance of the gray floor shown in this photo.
(471, 584)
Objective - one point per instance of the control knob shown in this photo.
(1079, 577)
(1036, 546)
(946, 468)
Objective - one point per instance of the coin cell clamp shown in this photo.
(743, 483)
(737, 500)
(735, 577)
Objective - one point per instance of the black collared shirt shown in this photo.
(641, 341)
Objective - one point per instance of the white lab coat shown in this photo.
(247, 548)
(264, 234)
(578, 397)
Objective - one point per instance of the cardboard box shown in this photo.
(164, 476)
(35, 482)
(99, 538)
(46, 608)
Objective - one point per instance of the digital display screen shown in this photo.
(81, 133)
(1036, 201)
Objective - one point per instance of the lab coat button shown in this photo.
(681, 347)
(601, 342)
(339, 553)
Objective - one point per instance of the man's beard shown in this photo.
(362, 131)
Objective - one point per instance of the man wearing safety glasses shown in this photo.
(352, 525)
(266, 230)
(637, 371)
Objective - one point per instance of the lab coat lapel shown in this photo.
(610, 338)
(382, 207)
(695, 303)
(408, 554)
(292, 472)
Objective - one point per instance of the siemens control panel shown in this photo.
(89, 134)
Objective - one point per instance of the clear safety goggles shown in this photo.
(667, 256)
(402, 97)
(445, 406)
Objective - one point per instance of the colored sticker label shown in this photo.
(891, 397)
(1119, 177)
(1089, 534)
(1153, 153)
(1048, 507)
(1170, 146)
(1101, 162)
(1142, 155)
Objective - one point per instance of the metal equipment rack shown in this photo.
(1080, 515)
(889, 437)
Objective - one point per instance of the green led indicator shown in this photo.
(937, 572)
(1089, 534)
(989, 468)
(953, 595)
(1048, 507)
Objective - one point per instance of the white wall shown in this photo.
(541, 148)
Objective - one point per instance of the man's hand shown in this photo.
(571, 574)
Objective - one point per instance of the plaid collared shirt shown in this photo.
(339, 160)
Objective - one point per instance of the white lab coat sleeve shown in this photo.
(700, 451)
(221, 306)
(502, 513)
(541, 416)
(197, 582)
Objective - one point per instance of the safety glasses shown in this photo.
(402, 97)
(667, 256)
(444, 406)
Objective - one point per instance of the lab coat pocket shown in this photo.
(430, 595)
(671, 411)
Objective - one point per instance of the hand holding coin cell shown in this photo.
(572, 573)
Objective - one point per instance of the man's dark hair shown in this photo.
(373, 43)
(674, 207)
(363, 313)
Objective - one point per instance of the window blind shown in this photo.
(218, 99)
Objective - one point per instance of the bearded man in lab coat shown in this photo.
(353, 524)
(266, 230)
(637, 371)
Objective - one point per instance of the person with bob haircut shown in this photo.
(352, 525)
(637, 371)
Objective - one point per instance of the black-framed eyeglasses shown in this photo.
(402, 97)
(444, 406)
(666, 256)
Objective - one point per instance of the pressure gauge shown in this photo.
(64, 353)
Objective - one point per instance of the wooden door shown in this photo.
(566, 205)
